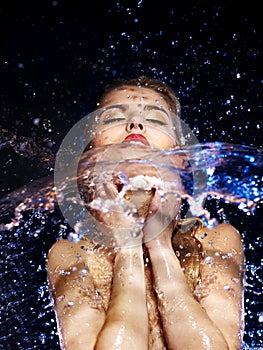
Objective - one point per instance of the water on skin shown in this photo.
(31, 222)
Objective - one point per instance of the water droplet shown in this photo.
(36, 121)
(84, 272)
(73, 237)
(209, 260)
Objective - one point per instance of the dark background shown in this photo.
(55, 59)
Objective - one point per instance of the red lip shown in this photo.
(136, 137)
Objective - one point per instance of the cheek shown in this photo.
(107, 137)
(98, 141)
(162, 141)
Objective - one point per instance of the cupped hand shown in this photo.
(163, 212)
(116, 216)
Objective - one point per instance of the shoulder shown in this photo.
(65, 253)
(65, 245)
(223, 255)
(223, 237)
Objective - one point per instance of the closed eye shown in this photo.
(156, 121)
(112, 115)
(113, 120)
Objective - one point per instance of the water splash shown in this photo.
(226, 172)
(31, 222)
(26, 147)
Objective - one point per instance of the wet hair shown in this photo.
(188, 249)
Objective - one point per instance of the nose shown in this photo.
(134, 125)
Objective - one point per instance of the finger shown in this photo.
(155, 204)
(111, 190)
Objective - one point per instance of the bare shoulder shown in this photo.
(66, 256)
(64, 253)
(223, 238)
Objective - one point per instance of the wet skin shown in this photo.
(125, 303)
(137, 98)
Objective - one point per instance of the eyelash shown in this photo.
(157, 121)
(108, 121)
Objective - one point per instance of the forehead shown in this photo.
(134, 94)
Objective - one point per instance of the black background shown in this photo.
(55, 59)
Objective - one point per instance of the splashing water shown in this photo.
(31, 222)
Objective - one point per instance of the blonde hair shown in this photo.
(188, 248)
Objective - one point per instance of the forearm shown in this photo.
(79, 329)
(126, 325)
(178, 308)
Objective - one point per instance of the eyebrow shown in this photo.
(120, 106)
(158, 108)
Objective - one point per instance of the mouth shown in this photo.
(136, 138)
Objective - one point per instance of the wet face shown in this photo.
(135, 114)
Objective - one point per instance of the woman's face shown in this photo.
(135, 114)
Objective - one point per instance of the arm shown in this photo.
(79, 316)
(126, 325)
(82, 321)
(205, 325)
(223, 280)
